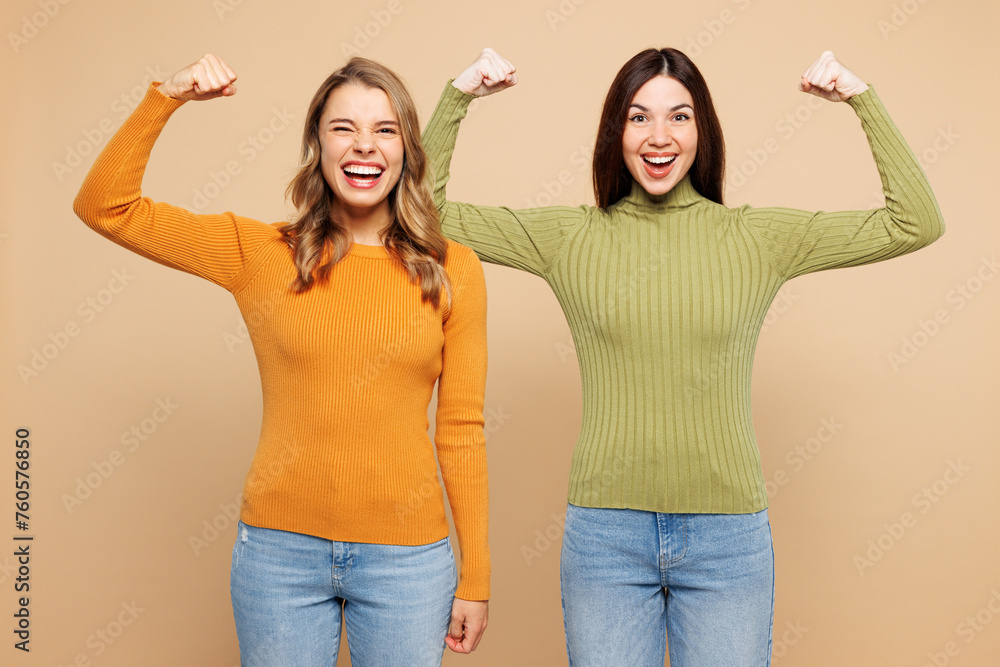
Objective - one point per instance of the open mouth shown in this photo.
(362, 175)
(658, 166)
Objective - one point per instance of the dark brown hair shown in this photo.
(414, 234)
(612, 179)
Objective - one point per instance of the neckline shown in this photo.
(681, 195)
(369, 251)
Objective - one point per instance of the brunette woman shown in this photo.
(665, 290)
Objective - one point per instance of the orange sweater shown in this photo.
(347, 368)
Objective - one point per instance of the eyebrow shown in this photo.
(351, 122)
(675, 108)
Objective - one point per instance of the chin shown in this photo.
(657, 187)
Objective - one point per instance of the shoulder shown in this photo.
(460, 258)
(464, 267)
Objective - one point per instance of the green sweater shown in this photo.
(665, 297)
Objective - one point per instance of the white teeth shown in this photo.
(660, 160)
(362, 170)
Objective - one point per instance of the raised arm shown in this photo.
(800, 242)
(527, 239)
(110, 201)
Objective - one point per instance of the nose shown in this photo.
(659, 134)
(364, 141)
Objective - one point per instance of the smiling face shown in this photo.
(661, 138)
(362, 149)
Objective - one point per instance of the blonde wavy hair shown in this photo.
(414, 233)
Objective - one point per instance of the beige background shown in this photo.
(876, 433)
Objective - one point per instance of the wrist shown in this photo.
(863, 87)
(170, 91)
(457, 85)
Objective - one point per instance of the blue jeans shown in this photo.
(631, 580)
(288, 590)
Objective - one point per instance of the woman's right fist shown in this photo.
(490, 73)
(206, 79)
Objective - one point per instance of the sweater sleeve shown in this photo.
(527, 239)
(458, 435)
(800, 242)
(110, 201)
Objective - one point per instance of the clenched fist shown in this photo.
(829, 79)
(490, 73)
(206, 79)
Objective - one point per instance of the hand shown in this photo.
(490, 73)
(829, 79)
(468, 620)
(205, 79)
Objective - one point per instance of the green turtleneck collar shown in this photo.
(681, 195)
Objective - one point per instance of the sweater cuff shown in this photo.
(156, 105)
(865, 102)
(454, 100)
(474, 582)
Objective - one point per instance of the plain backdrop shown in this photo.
(875, 389)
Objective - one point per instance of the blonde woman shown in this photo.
(356, 309)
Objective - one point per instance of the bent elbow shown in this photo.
(97, 212)
(81, 207)
(931, 229)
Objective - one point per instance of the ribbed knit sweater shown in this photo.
(665, 297)
(347, 368)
